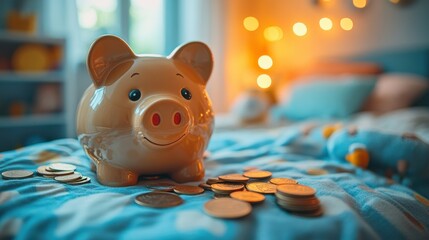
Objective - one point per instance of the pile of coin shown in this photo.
(235, 194)
(298, 199)
(63, 172)
(250, 188)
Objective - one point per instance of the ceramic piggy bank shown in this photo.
(144, 114)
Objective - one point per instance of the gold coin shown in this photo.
(250, 168)
(160, 186)
(17, 174)
(188, 189)
(205, 186)
(158, 199)
(281, 181)
(317, 213)
(317, 171)
(297, 208)
(217, 195)
(69, 178)
(261, 187)
(80, 181)
(43, 170)
(224, 188)
(62, 167)
(296, 190)
(211, 181)
(251, 197)
(227, 208)
(235, 177)
(257, 174)
(298, 200)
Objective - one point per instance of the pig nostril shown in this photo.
(156, 119)
(177, 118)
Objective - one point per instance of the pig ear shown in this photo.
(197, 55)
(106, 53)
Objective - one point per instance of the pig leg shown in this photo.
(110, 175)
(190, 173)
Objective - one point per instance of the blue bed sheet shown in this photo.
(357, 204)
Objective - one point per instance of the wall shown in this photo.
(378, 27)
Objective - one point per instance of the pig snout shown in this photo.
(161, 121)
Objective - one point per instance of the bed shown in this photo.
(357, 203)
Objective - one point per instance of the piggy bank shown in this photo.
(146, 114)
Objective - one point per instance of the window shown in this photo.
(147, 28)
(141, 24)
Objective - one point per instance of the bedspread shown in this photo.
(356, 203)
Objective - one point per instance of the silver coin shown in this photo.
(17, 174)
(62, 167)
(83, 180)
(158, 199)
(44, 170)
(69, 178)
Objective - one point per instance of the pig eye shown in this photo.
(186, 94)
(134, 95)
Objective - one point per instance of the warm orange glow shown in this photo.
(265, 62)
(346, 24)
(273, 33)
(359, 3)
(250, 23)
(325, 23)
(264, 81)
(395, 1)
(300, 29)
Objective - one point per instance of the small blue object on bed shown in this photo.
(357, 203)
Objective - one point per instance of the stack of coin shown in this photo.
(299, 199)
(63, 172)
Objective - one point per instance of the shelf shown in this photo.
(32, 120)
(51, 76)
(11, 36)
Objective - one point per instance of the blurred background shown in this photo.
(258, 45)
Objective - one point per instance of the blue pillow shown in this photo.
(334, 98)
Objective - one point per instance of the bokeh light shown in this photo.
(325, 23)
(300, 29)
(88, 18)
(264, 81)
(273, 33)
(265, 62)
(346, 24)
(250, 23)
(359, 3)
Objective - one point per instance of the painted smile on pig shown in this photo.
(165, 144)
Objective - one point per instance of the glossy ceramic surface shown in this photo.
(144, 114)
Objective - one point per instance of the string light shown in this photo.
(359, 3)
(250, 23)
(264, 81)
(346, 24)
(265, 62)
(273, 33)
(325, 23)
(300, 29)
